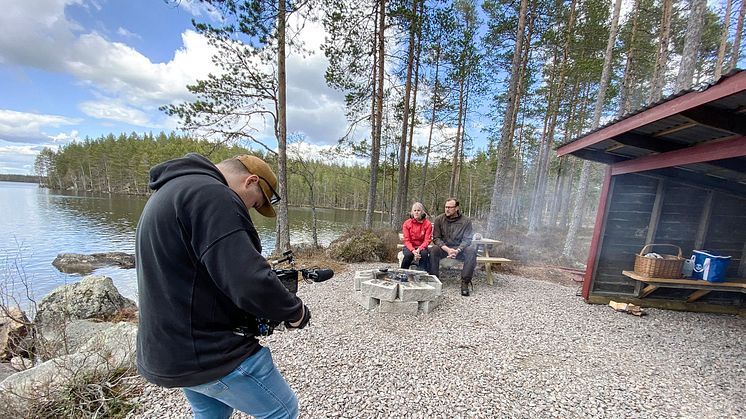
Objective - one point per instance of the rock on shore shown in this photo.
(85, 264)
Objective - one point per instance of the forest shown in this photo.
(495, 86)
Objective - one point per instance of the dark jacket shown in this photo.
(454, 232)
(200, 274)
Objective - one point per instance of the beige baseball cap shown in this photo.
(267, 181)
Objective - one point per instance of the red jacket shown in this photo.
(417, 234)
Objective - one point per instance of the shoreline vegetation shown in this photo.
(121, 164)
(9, 177)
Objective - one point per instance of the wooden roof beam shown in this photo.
(699, 180)
(714, 150)
(727, 87)
(718, 118)
(646, 142)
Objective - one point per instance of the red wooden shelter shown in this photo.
(676, 175)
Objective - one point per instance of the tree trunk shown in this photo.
(566, 197)
(401, 192)
(457, 146)
(377, 115)
(661, 61)
(537, 209)
(625, 103)
(414, 105)
(737, 41)
(506, 134)
(580, 198)
(723, 39)
(694, 26)
(432, 124)
(283, 240)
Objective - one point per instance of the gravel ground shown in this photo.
(521, 348)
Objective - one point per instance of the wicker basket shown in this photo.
(667, 267)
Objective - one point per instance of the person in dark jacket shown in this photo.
(201, 279)
(452, 234)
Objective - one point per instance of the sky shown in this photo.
(71, 69)
(77, 69)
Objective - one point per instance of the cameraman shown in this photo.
(201, 275)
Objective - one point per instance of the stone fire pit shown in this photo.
(400, 291)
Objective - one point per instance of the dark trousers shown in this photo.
(424, 262)
(468, 256)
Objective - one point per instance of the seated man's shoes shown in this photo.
(465, 285)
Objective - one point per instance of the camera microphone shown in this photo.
(319, 275)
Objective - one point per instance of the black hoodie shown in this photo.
(200, 273)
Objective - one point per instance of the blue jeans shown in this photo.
(255, 387)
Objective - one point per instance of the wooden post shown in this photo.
(704, 222)
(655, 214)
(595, 250)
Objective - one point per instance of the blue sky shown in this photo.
(71, 69)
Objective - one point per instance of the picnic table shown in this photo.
(485, 255)
(486, 258)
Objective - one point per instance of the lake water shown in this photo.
(36, 224)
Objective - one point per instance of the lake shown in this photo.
(36, 224)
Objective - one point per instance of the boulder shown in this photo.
(78, 332)
(6, 370)
(92, 297)
(103, 354)
(13, 328)
(85, 264)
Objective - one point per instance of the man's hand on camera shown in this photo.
(300, 323)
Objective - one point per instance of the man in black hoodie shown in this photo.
(200, 276)
(452, 234)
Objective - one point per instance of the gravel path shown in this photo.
(521, 348)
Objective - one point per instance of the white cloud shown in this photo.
(24, 127)
(64, 137)
(200, 8)
(124, 72)
(115, 111)
(127, 34)
(325, 153)
(19, 158)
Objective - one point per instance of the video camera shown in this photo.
(289, 278)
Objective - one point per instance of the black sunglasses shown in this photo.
(275, 198)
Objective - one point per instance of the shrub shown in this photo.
(358, 245)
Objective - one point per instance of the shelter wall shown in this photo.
(644, 209)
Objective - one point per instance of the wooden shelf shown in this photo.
(701, 287)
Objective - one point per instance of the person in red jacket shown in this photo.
(418, 232)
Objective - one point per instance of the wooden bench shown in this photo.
(485, 259)
(488, 261)
(701, 287)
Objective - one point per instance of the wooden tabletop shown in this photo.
(485, 240)
(734, 283)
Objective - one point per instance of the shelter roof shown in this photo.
(698, 134)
